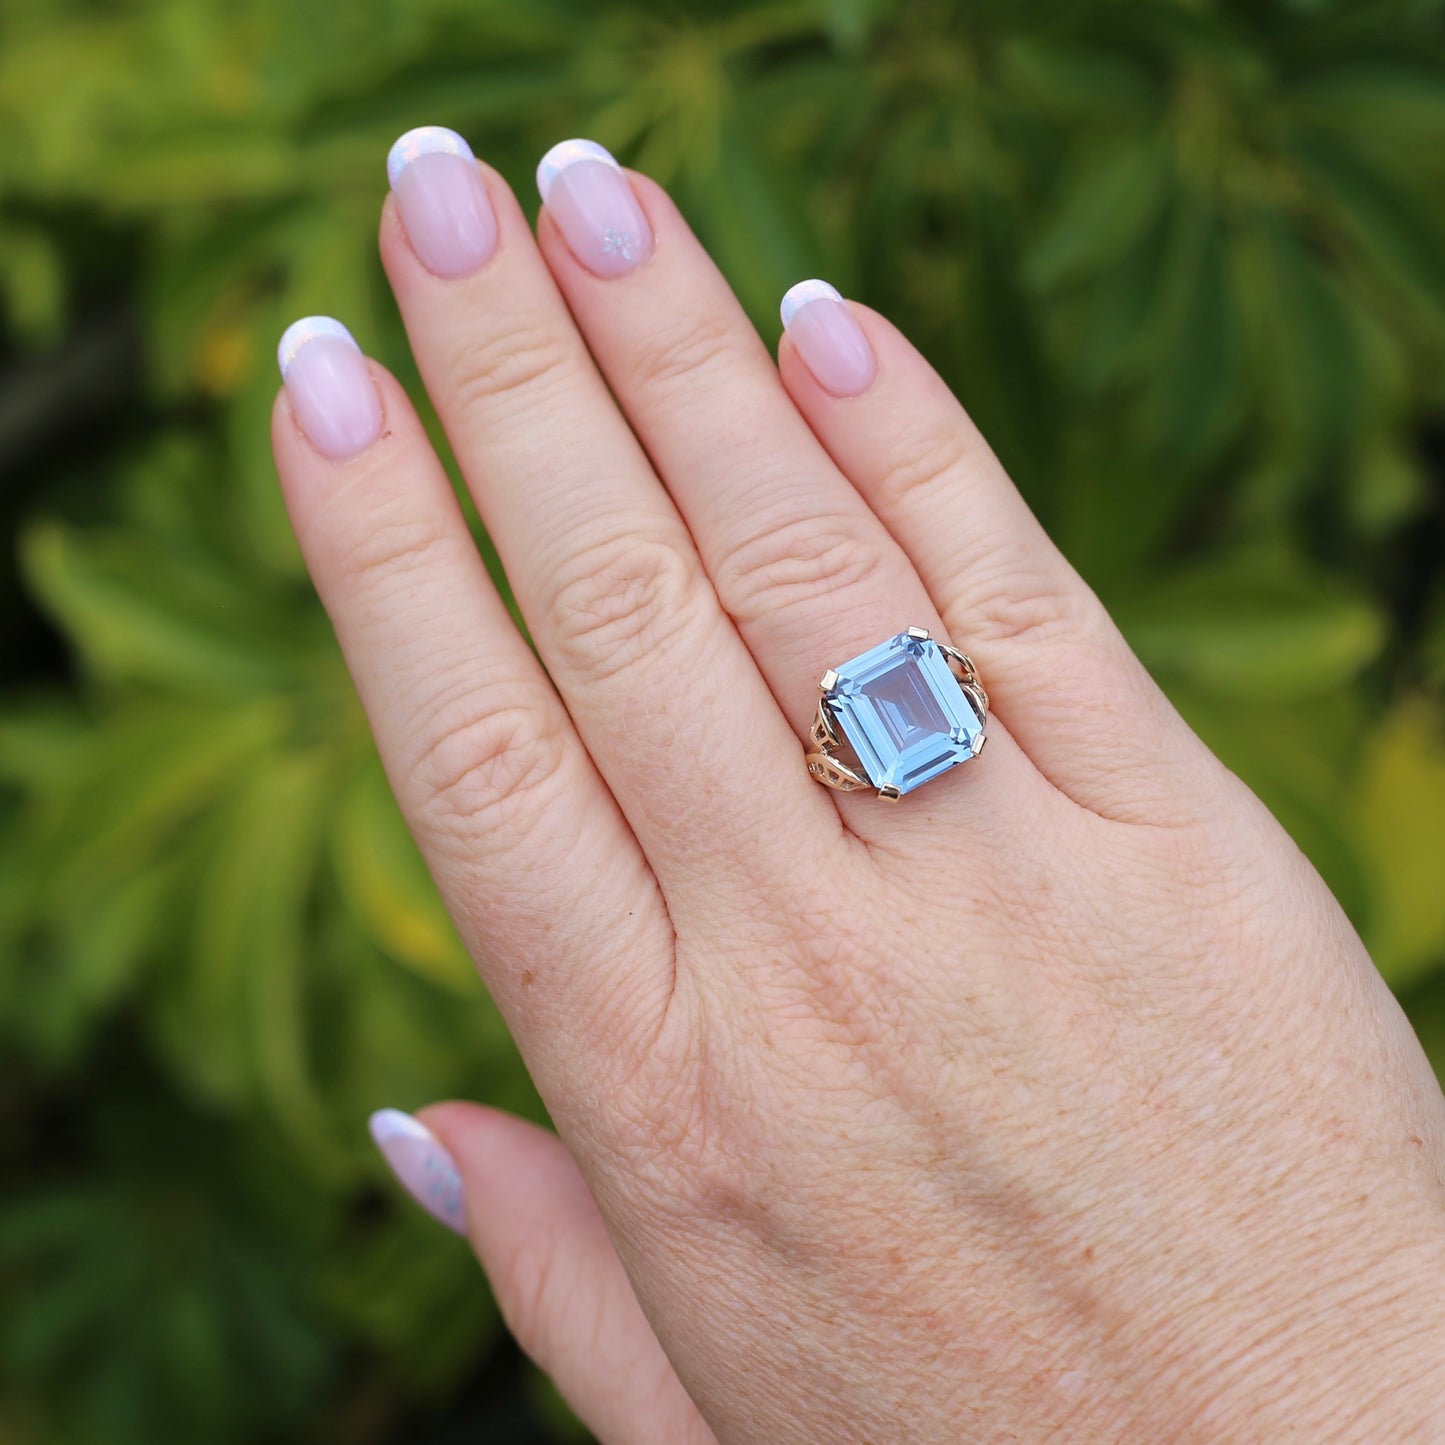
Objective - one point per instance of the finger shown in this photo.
(515, 1191)
(800, 562)
(661, 688)
(525, 842)
(1058, 670)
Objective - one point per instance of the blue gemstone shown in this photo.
(903, 712)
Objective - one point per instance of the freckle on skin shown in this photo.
(527, 977)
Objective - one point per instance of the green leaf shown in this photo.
(32, 283)
(41, 740)
(1394, 107)
(1014, 398)
(1248, 627)
(1112, 191)
(204, 162)
(1303, 343)
(238, 1021)
(1197, 392)
(147, 776)
(851, 22)
(1387, 484)
(743, 212)
(137, 610)
(97, 956)
(1405, 244)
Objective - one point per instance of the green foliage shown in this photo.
(1184, 260)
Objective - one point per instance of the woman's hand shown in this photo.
(1056, 1101)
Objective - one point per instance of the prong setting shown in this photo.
(828, 681)
(921, 633)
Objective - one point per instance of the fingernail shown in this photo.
(331, 391)
(828, 338)
(594, 208)
(445, 209)
(425, 1170)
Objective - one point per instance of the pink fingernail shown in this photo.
(594, 208)
(445, 209)
(331, 391)
(423, 1167)
(828, 338)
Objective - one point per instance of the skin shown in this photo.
(1058, 1101)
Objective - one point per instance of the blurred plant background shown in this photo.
(1184, 260)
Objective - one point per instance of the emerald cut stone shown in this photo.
(903, 712)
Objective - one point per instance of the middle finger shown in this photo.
(660, 686)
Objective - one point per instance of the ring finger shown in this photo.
(805, 569)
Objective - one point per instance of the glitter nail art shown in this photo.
(422, 1165)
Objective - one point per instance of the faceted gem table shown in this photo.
(904, 712)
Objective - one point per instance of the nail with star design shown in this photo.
(423, 1167)
(587, 195)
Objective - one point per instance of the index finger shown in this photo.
(533, 857)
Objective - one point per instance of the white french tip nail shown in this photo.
(425, 140)
(566, 153)
(797, 297)
(392, 1123)
(307, 329)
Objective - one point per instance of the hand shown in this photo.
(1056, 1101)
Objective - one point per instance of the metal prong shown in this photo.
(889, 793)
(978, 743)
(921, 633)
(828, 681)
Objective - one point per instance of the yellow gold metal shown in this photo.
(823, 763)
(824, 734)
(963, 669)
(835, 774)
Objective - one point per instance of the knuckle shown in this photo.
(1017, 596)
(480, 768)
(623, 599)
(923, 465)
(795, 563)
(529, 357)
(387, 546)
(696, 347)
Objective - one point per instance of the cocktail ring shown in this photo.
(910, 709)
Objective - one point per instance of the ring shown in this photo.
(910, 709)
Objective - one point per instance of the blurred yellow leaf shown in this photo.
(390, 892)
(1401, 827)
